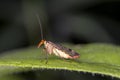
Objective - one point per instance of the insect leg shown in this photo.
(46, 52)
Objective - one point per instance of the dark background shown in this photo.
(71, 21)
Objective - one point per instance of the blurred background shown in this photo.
(71, 21)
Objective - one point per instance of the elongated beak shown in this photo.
(41, 43)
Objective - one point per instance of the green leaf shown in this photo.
(97, 58)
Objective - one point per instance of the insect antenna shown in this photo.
(41, 30)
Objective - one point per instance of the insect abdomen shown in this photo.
(60, 51)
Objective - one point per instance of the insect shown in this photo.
(56, 49)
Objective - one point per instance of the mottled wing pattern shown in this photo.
(64, 49)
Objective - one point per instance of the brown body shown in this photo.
(58, 50)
